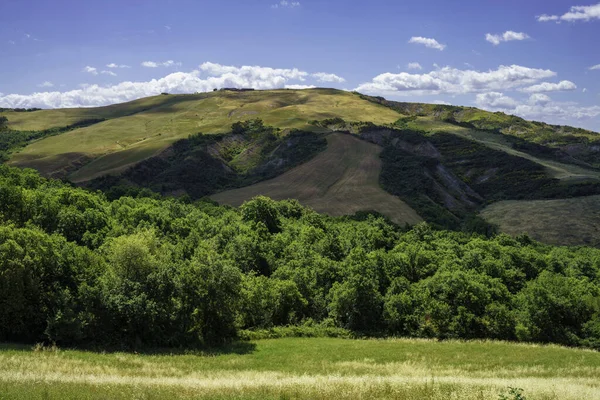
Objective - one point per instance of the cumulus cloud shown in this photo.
(495, 100)
(550, 87)
(595, 67)
(427, 42)
(414, 65)
(286, 4)
(207, 77)
(254, 76)
(46, 84)
(539, 99)
(113, 65)
(154, 64)
(450, 80)
(537, 106)
(91, 70)
(300, 86)
(108, 73)
(325, 77)
(505, 37)
(576, 13)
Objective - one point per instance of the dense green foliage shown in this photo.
(205, 164)
(76, 268)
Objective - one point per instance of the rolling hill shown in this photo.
(408, 161)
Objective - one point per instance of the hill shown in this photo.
(144, 128)
(445, 163)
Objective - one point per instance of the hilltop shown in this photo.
(407, 161)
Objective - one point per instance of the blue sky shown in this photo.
(531, 58)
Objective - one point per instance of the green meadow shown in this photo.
(307, 368)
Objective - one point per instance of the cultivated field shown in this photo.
(561, 222)
(309, 368)
(144, 128)
(341, 180)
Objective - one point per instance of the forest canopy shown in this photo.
(78, 269)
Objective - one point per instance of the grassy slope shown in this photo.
(555, 169)
(120, 142)
(562, 222)
(339, 181)
(308, 368)
(46, 119)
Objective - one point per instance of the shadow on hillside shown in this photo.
(239, 348)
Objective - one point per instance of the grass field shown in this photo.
(341, 180)
(307, 368)
(142, 129)
(562, 222)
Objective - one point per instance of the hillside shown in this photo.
(121, 141)
(341, 180)
(443, 163)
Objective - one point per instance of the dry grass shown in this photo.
(341, 180)
(561, 222)
(125, 139)
(309, 368)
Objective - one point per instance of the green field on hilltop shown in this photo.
(308, 368)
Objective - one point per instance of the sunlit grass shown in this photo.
(308, 368)
(170, 118)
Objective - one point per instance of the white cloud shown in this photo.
(207, 77)
(550, 87)
(300, 87)
(108, 73)
(505, 37)
(539, 99)
(584, 90)
(595, 67)
(450, 80)
(12, 42)
(546, 18)
(576, 13)
(286, 4)
(255, 76)
(414, 65)
(538, 107)
(46, 84)
(427, 42)
(167, 27)
(91, 70)
(325, 77)
(154, 64)
(495, 100)
(113, 65)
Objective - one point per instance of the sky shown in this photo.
(536, 59)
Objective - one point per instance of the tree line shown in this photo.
(78, 269)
